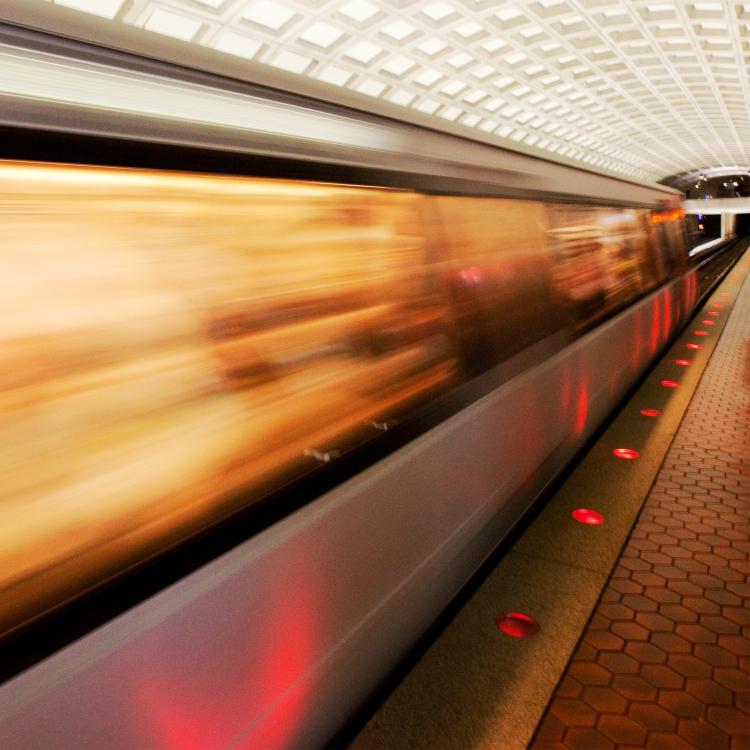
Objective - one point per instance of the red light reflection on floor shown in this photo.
(517, 625)
(708, 322)
(627, 453)
(693, 346)
(701, 333)
(651, 412)
(588, 516)
(670, 383)
(682, 362)
(714, 312)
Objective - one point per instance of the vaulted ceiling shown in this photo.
(643, 88)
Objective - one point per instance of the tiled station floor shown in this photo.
(664, 663)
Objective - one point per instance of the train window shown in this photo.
(579, 265)
(660, 241)
(601, 262)
(171, 340)
(496, 270)
(671, 238)
(656, 248)
(625, 254)
(651, 273)
(676, 234)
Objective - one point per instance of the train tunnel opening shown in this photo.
(742, 225)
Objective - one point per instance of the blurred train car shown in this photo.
(257, 432)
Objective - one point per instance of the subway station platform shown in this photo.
(631, 629)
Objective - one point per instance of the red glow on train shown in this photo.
(582, 408)
(288, 656)
(181, 722)
(655, 325)
(636, 341)
(667, 313)
(182, 713)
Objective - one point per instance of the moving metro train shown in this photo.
(260, 427)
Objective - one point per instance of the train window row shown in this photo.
(171, 341)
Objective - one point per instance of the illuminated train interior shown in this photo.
(179, 346)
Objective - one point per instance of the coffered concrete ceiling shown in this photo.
(643, 88)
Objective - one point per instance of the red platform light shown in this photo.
(670, 383)
(651, 412)
(627, 453)
(714, 312)
(682, 362)
(517, 625)
(693, 346)
(708, 322)
(588, 516)
(701, 333)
